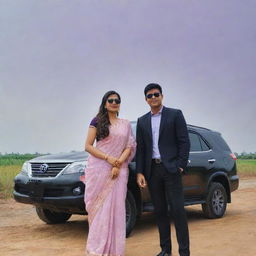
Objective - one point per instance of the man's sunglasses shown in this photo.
(117, 101)
(150, 95)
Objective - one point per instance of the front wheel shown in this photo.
(51, 217)
(216, 201)
(131, 213)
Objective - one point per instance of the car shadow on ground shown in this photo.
(147, 220)
(78, 225)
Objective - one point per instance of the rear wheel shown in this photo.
(131, 213)
(51, 217)
(216, 201)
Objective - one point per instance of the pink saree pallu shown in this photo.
(105, 197)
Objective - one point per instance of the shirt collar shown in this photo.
(158, 113)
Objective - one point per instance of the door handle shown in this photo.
(211, 161)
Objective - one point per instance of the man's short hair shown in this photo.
(152, 86)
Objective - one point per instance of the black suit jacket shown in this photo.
(173, 142)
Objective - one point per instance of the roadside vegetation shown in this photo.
(245, 155)
(10, 166)
(246, 168)
(15, 158)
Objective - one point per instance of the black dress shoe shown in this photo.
(163, 253)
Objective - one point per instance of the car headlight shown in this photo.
(26, 169)
(76, 167)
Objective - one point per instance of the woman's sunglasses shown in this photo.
(117, 101)
(150, 95)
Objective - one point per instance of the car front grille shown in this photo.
(49, 170)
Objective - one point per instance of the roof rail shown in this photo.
(195, 126)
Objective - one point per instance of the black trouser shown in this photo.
(166, 189)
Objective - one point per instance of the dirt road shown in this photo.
(23, 234)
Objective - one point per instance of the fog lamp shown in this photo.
(77, 191)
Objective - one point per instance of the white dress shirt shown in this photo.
(155, 124)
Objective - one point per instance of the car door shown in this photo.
(199, 165)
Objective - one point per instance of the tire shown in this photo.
(51, 217)
(131, 213)
(216, 201)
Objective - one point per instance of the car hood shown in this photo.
(61, 157)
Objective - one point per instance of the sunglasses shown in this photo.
(117, 101)
(150, 95)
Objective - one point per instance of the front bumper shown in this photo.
(55, 194)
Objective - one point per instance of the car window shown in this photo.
(195, 144)
(221, 142)
(204, 145)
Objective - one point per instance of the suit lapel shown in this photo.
(148, 124)
(163, 120)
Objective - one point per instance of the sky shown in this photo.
(58, 58)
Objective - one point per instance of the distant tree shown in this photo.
(245, 155)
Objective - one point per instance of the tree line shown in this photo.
(16, 158)
(245, 155)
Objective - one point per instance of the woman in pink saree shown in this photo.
(106, 178)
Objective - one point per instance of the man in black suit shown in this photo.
(162, 155)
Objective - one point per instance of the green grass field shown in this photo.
(246, 168)
(15, 159)
(7, 174)
(10, 166)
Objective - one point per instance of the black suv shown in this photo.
(52, 182)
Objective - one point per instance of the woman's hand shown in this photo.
(119, 163)
(112, 160)
(115, 172)
(126, 153)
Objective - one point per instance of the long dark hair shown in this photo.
(103, 118)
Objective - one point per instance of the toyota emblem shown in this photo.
(44, 168)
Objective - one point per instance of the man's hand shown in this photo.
(141, 180)
(181, 169)
(115, 172)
